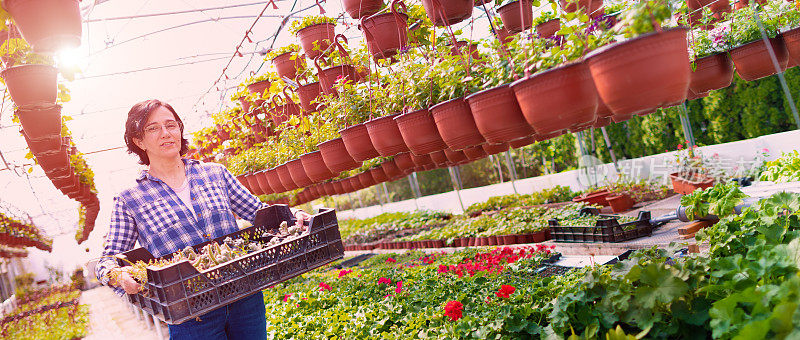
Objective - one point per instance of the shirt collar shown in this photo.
(187, 162)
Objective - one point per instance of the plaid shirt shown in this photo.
(152, 214)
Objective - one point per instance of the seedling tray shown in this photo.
(180, 292)
(607, 229)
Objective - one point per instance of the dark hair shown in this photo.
(134, 127)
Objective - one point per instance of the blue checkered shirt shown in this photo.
(154, 215)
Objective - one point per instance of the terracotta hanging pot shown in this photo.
(419, 132)
(336, 157)
(504, 35)
(298, 173)
(456, 125)
(522, 142)
(287, 64)
(421, 160)
(386, 33)
(378, 175)
(391, 170)
(355, 183)
(455, 157)
(321, 34)
(361, 8)
(548, 28)
(43, 145)
(753, 62)
(586, 6)
(337, 187)
(498, 116)
(252, 184)
(47, 25)
(385, 135)
(53, 160)
(286, 178)
(516, 18)
(41, 124)
(366, 179)
(475, 152)
(439, 158)
(329, 76)
(308, 95)
(448, 12)
(492, 149)
(624, 73)
(31, 86)
(66, 181)
(791, 39)
(263, 182)
(284, 108)
(557, 99)
(359, 145)
(405, 162)
(259, 87)
(711, 73)
(315, 167)
(329, 188)
(463, 48)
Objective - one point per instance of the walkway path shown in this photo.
(110, 317)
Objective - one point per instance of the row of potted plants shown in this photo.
(16, 232)
(65, 319)
(12, 252)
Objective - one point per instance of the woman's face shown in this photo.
(161, 136)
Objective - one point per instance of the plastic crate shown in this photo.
(606, 230)
(179, 292)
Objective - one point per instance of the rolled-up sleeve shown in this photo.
(122, 235)
(243, 203)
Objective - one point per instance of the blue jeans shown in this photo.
(243, 319)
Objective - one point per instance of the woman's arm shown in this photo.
(121, 237)
(244, 204)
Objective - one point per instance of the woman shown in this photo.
(179, 202)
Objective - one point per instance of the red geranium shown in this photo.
(399, 287)
(454, 310)
(385, 281)
(344, 272)
(391, 260)
(286, 297)
(324, 286)
(505, 291)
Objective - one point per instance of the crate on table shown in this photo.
(179, 292)
(607, 229)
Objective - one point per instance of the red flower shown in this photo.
(399, 287)
(324, 286)
(443, 268)
(505, 291)
(391, 260)
(680, 146)
(454, 310)
(286, 297)
(344, 272)
(385, 281)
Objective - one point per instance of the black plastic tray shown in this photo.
(607, 229)
(179, 292)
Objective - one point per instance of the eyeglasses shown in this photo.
(154, 129)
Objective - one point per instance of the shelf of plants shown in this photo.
(52, 313)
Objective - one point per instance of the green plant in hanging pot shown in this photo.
(789, 21)
(315, 32)
(287, 60)
(649, 69)
(516, 15)
(354, 103)
(547, 24)
(712, 67)
(748, 49)
(31, 78)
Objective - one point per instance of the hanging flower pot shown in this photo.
(504, 35)
(245, 104)
(516, 16)
(329, 76)
(54, 160)
(522, 142)
(711, 73)
(378, 175)
(385, 135)
(419, 132)
(391, 170)
(285, 177)
(48, 25)
(557, 99)
(405, 162)
(421, 160)
(258, 87)
(252, 184)
(455, 157)
(287, 64)
(366, 179)
(586, 6)
(308, 95)
(475, 153)
(448, 12)
(548, 28)
(463, 47)
(386, 33)
(336, 157)
(625, 73)
(330, 188)
(359, 145)
(66, 181)
(753, 62)
(338, 187)
(41, 124)
(456, 125)
(315, 167)
(791, 39)
(439, 158)
(31, 86)
(320, 35)
(498, 116)
(298, 173)
(263, 182)
(361, 8)
(492, 149)
(283, 109)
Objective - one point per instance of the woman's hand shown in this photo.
(123, 279)
(301, 216)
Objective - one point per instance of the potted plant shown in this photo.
(790, 18)
(287, 60)
(517, 15)
(693, 171)
(315, 32)
(712, 69)
(258, 84)
(361, 8)
(585, 6)
(48, 25)
(452, 114)
(338, 68)
(620, 202)
(386, 33)
(31, 79)
(448, 12)
(417, 125)
(623, 72)
(749, 52)
(547, 24)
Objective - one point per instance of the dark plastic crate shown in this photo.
(179, 292)
(607, 229)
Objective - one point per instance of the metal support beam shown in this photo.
(456, 186)
(688, 134)
(511, 170)
(609, 148)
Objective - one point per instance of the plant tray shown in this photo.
(179, 292)
(607, 229)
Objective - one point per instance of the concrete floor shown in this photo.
(111, 318)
